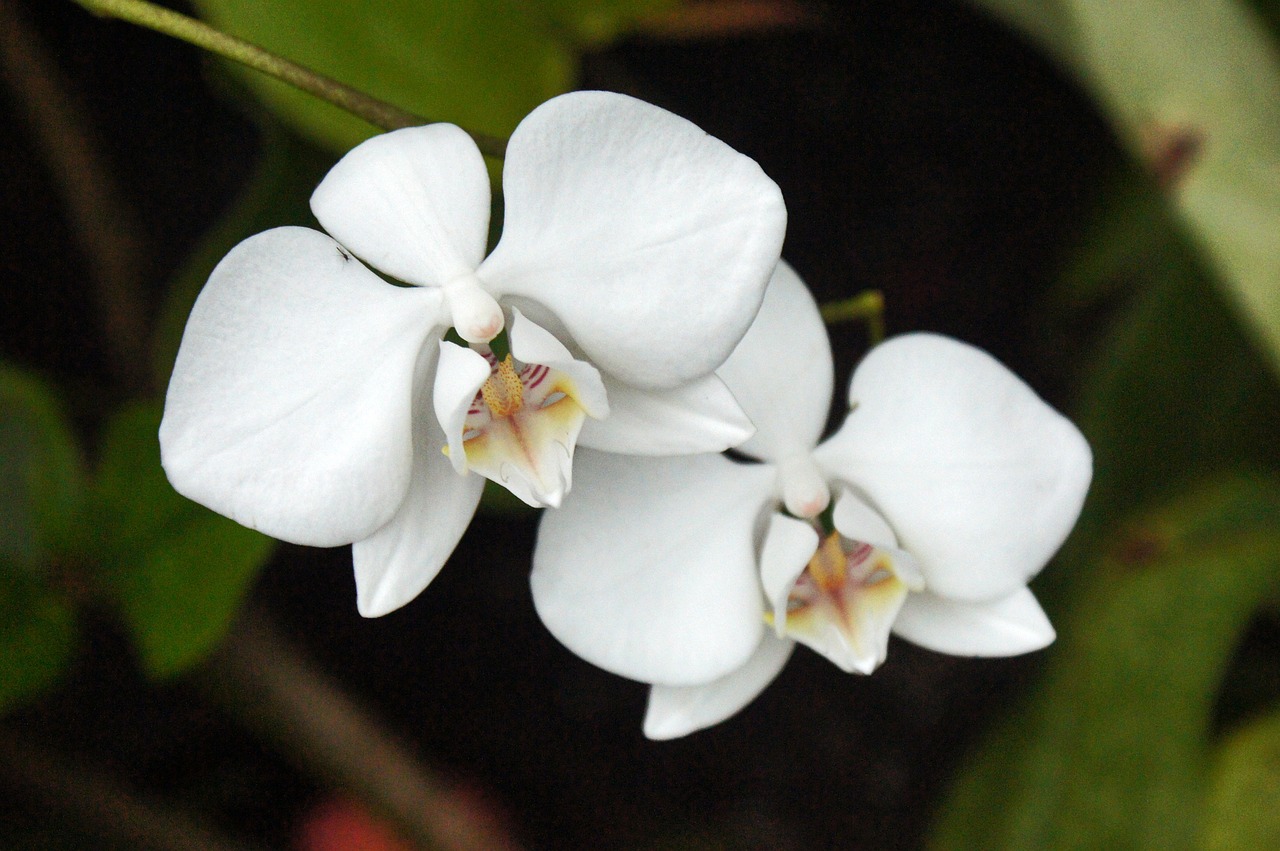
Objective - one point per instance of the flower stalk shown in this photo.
(866, 306)
(377, 112)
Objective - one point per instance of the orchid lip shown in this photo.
(844, 602)
(521, 428)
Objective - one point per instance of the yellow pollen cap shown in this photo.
(503, 391)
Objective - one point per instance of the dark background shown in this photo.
(923, 150)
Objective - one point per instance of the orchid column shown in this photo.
(318, 403)
(950, 485)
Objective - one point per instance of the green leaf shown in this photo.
(483, 64)
(41, 489)
(183, 591)
(41, 474)
(1111, 750)
(277, 194)
(1243, 809)
(1193, 88)
(177, 570)
(1175, 393)
(599, 22)
(37, 637)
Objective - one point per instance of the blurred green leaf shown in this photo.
(1269, 12)
(41, 474)
(482, 64)
(1175, 392)
(37, 637)
(278, 193)
(1243, 810)
(1193, 88)
(1131, 223)
(182, 593)
(1111, 751)
(598, 22)
(41, 486)
(178, 570)
(1176, 395)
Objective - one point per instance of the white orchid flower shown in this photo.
(316, 402)
(953, 483)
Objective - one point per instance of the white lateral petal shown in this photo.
(701, 416)
(289, 409)
(858, 521)
(531, 343)
(648, 570)
(781, 372)
(414, 203)
(788, 545)
(1008, 626)
(395, 563)
(676, 711)
(980, 479)
(458, 377)
(649, 239)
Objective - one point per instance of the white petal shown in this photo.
(1008, 626)
(781, 372)
(289, 409)
(649, 568)
(395, 563)
(701, 416)
(979, 478)
(789, 544)
(649, 239)
(458, 377)
(414, 203)
(531, 343)
(858, 521)
(676, 711)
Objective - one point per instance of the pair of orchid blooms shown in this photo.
(635, 309)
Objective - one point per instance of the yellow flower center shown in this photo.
(503, 391)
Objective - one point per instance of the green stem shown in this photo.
(866, 306)
(377, 112)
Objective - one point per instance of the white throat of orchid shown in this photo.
(516, 420)
(837, 592)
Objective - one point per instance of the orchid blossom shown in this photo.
(316, 402)
(953, 485)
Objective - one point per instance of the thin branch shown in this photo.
(265, 682)
(105, 228)
(867, 307)
(377, 112)
(100, 804)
